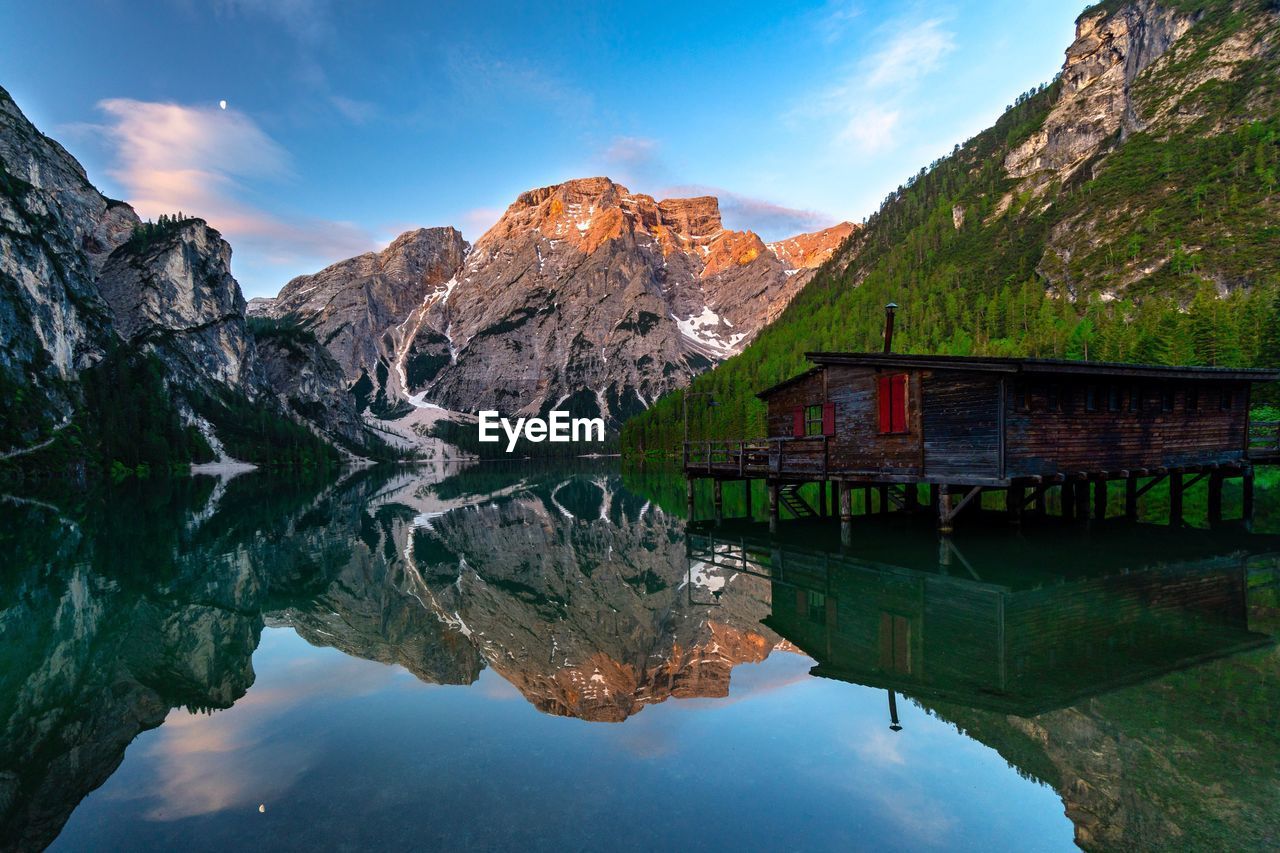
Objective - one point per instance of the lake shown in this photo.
(555, 657)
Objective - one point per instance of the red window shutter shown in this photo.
(797, 422)
(828, 418)
(886, 404)
(900, 403)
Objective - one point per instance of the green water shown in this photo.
(520, 657)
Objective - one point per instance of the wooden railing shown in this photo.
(1264, 438)
(761, 456)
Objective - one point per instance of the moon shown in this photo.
(222, 104)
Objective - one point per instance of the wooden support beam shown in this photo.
(1150, 484)
(1131, 498)
(1215, 498)
(773, 506)
(1175, 500)
(846, 513)
(1100, 500)
(1068, 497)
(866, 500)
(884, 499)
(1246, 497)
(945, 515)
(910, 497)
(688, 496)
(1082, 501)
(746, 497)
(948, 516)
(1015, 501)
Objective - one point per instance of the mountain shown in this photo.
(1125, 212)
(127, 342)
(584, 296)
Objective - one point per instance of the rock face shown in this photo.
(356, 306)
(1110, 51)
(79, 273)
(56, 231)
(176, 297)
(583, 296)
(580, 595)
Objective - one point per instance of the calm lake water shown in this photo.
(555, 658)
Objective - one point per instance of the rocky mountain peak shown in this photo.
(1112, 47)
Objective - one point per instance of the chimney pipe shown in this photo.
(888, 326)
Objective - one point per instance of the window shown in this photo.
(1167, 398)
(1053, 394)
(1193, 398)
(1114, 396)
(817, 607)
(1135, 399)
(813, 420)
(1022, 396)
(1225, 401)
(893, 403)
(1091, 398)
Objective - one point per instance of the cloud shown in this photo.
(870, 98)
(308, 21)
(834, 19)
(633, 158)
(355, 111)
(169, 157)
(769, 219)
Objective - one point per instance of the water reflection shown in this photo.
(1131, 672)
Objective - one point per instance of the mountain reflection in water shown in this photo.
(1129, 668)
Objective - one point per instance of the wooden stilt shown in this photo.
(933, 496)
(717, 499)
(866, 500)
(1215, 497)
(945, 523)
(1042, 501)
(911, 497)
(1015, 499)
(822, 499)
(846, 513)
(884, 499)
(1100, 500)
(773, 507)
(1246, 497)
(1082, 501)
(688, 496)
(1131, 498)
(1068, 497)
(1175, 500)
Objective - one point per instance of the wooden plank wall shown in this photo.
(1071, 439)
(961, 424)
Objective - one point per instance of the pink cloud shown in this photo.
(170, 157)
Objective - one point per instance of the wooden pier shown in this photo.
(890, 424)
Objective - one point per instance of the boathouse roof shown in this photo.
(1026, 366)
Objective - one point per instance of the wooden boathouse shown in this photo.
(1021, 626)
(887, 422)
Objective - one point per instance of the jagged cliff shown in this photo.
(583, 296)
(90, 293)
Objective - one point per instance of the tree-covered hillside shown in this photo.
(1163, 246)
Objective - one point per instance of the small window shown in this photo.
(1022, 396)
(1091, 398)
(1053, 394)
(813, 420)
(893, 403)
(1193, 398)
(1167, 395)
(1114, 398)
(1225, 400)
(818, 607)
(1135, 399)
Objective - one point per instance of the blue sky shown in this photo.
(348, 123)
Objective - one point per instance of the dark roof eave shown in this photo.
(760, 395)
(1043, 366)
